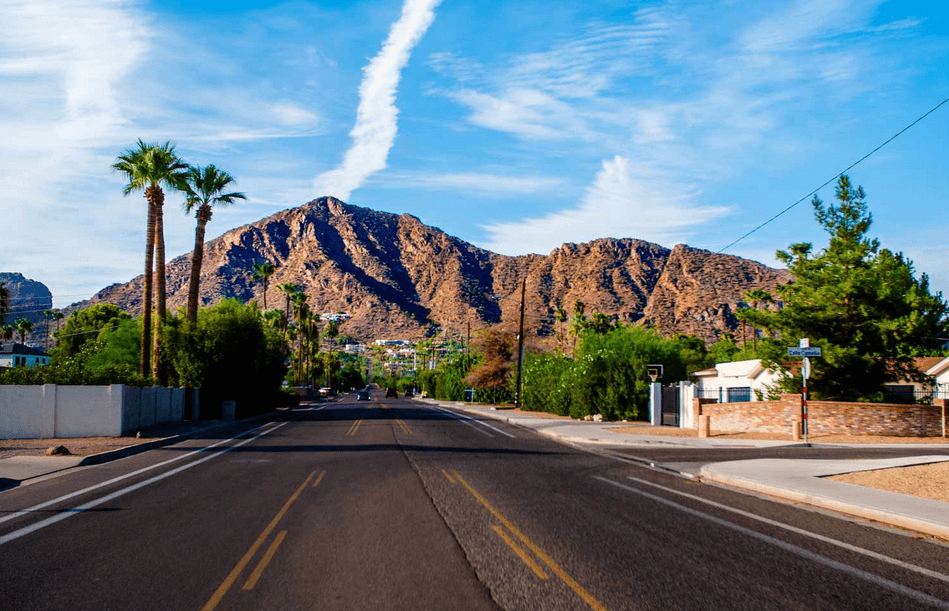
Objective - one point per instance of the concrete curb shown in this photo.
(890, 518)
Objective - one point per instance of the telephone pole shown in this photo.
(520, 349)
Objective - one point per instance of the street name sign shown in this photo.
(796, 351)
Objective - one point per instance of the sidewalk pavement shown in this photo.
(798, 480)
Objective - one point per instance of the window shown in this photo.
(736, 395)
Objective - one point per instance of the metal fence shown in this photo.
(724, 395)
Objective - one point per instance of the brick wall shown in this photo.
(824, 417)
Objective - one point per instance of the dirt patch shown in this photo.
(83, 446)
(925, 481)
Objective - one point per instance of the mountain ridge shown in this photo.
(396, 276)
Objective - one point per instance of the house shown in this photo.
(20, 355)
(910, 391)
(735, 381)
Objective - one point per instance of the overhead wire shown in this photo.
(836, 176)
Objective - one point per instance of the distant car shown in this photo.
(326, 391)
(392, 391)
(363, 395)
(409, 393)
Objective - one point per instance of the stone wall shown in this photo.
(824, 417)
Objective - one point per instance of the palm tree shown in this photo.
(22, 326)
(289, 289)
(47, 315)
(57, 316)
(205, 191)
(262, 273)
(6, 331)
(147, 168)
(562, 317)
(4, 301)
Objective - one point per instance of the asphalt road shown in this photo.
(389, 504)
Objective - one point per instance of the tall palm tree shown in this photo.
(57, 316)
(289, 289)
(562, 317)
(22, 326)
(147, 168)
(206, 188)
(4, 301)
(263, 272)
(6, 331)
(47, 315)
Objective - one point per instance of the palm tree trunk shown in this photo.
(197, 257)
(157, 369)
(145, 357)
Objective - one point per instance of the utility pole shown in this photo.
(520, 349)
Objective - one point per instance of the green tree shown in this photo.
(7, 331)
(561, 317)
(288, 289)
(262, 273)
(694, 352)
(860, 303)
(147, 168)
(85, 325)
(206, 191)
(119, 344)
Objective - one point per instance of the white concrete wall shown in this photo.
(85, 411)
(686, 414)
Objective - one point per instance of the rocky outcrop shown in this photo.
(28, 298)
(396, 276)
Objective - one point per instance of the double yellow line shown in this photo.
(555, 568)
(405, 427)
(352, 429)
(268, 555)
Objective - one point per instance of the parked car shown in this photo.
(363, 395)
(392, 391)
(409, 393)
(326, 391)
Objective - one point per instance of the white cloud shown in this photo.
(376, 117)
(292, 114)
(623, 201)
(480, 183)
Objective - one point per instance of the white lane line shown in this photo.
(806, 533)
(461, 417)
(840, 566)
(105, 499)
(66, 497)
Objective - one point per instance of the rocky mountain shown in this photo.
(397, 277)
(28, 298)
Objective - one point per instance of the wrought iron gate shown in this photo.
(670, 406)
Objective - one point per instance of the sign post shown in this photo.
(805, 350)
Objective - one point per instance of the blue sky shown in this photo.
(515, 125)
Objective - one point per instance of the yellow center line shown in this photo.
(259, 570)
(520, 552)
(352, 429)
(404, 426)
(236, 571)
(448, 475)
(553, 566)
(319, 478)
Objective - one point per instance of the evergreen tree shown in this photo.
(860, 303)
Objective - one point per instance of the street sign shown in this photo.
(795, 351)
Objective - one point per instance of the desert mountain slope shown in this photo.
(397, 277)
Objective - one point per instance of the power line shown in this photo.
(851, 166)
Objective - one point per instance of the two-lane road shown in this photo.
(390, 504)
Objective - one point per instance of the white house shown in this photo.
(19, 355)
(734, 382)
(940, 373)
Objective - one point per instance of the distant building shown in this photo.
(336, 317)
(392, 342)
(20, 355)
(734, 382)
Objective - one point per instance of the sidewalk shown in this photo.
(800, 480)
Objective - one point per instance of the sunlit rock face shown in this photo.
(397, 277)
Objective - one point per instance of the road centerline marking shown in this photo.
(319, 478)
(264, 561)
(242, 563)
(448, 475)
(588, 598)
(520, 552)
(801, 531)
(792, 549)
